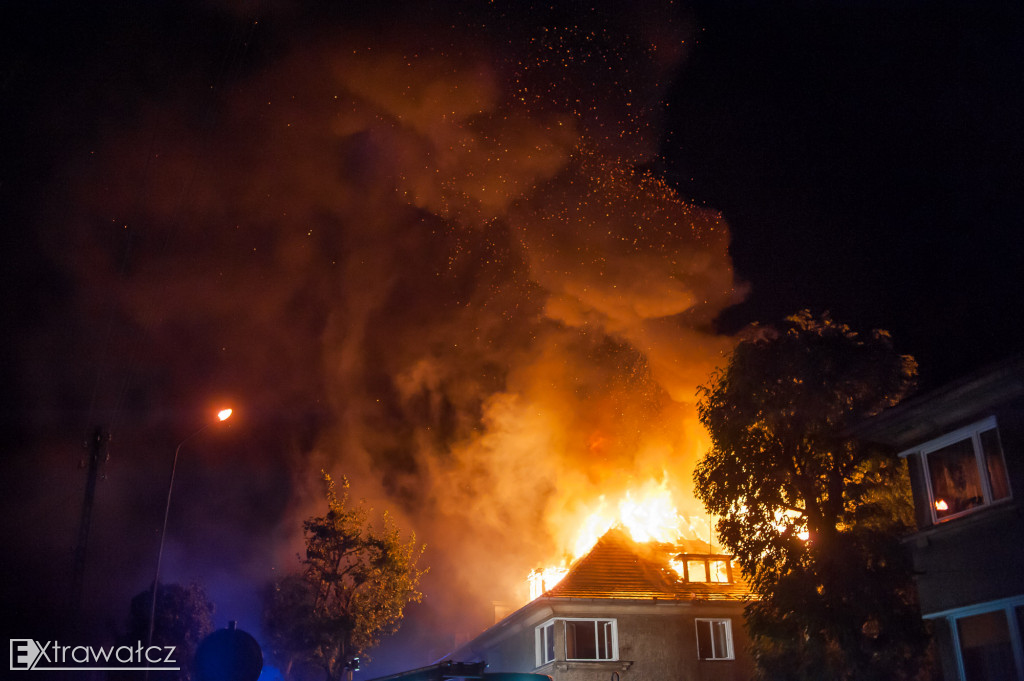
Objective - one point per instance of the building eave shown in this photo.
(921, 417)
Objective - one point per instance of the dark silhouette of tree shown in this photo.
(184, 616)
(814, 516)
(289, 625)
(355, 584)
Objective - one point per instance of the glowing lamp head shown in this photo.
(941, 505)
(223, 414)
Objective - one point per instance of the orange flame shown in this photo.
(647, 513)
(543, 579)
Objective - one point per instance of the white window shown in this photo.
(714, 639)
(584, 639)
(987, 640)
(545, 643)
(590, 640)
(964, 470)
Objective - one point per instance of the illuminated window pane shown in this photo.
(697, 570)
(719, 571)
(995, 464)
(956, 485)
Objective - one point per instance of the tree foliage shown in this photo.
(813, 515)
(355, 584)
(288, 624)
(184, 617)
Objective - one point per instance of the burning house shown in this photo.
(963, 445)
(649, 610)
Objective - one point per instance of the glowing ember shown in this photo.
(791, 518)
(941, 505)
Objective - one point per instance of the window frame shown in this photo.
(685, 559)
(729, 643)
(1007, 606)
(610, 629)
(712, 571)
(544, 637)
(971, 432)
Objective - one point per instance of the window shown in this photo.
(987, 640)
(589, 639)
(697, 570)
(964, 470)
(985, 645)
(584, 639)
(719, 571)
(545, 643)
(714, 639)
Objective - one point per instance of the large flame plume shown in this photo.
(647, 512)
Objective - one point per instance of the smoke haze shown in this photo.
(424, 253)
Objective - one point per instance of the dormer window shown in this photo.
(719, 571)
(715, 569)
(963, 471)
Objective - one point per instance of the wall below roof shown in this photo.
(657, 642)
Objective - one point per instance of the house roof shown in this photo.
(617, 567)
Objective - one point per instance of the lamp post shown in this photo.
(222, 415)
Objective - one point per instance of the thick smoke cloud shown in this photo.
(429, 259)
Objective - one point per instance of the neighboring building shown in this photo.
(624, 612)
(963, 444)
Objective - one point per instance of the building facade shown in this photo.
(628, 611)
(963, 445)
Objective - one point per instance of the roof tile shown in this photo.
(618, 567)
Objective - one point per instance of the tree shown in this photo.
(288, 623)
(184, 616)
(355, 584)
(812, 514)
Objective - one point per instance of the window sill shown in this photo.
(611, 665)
(996, 512)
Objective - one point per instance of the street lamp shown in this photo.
(222, 415)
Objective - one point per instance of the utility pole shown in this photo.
(95, 444)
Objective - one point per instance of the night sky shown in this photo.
(475, 256)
